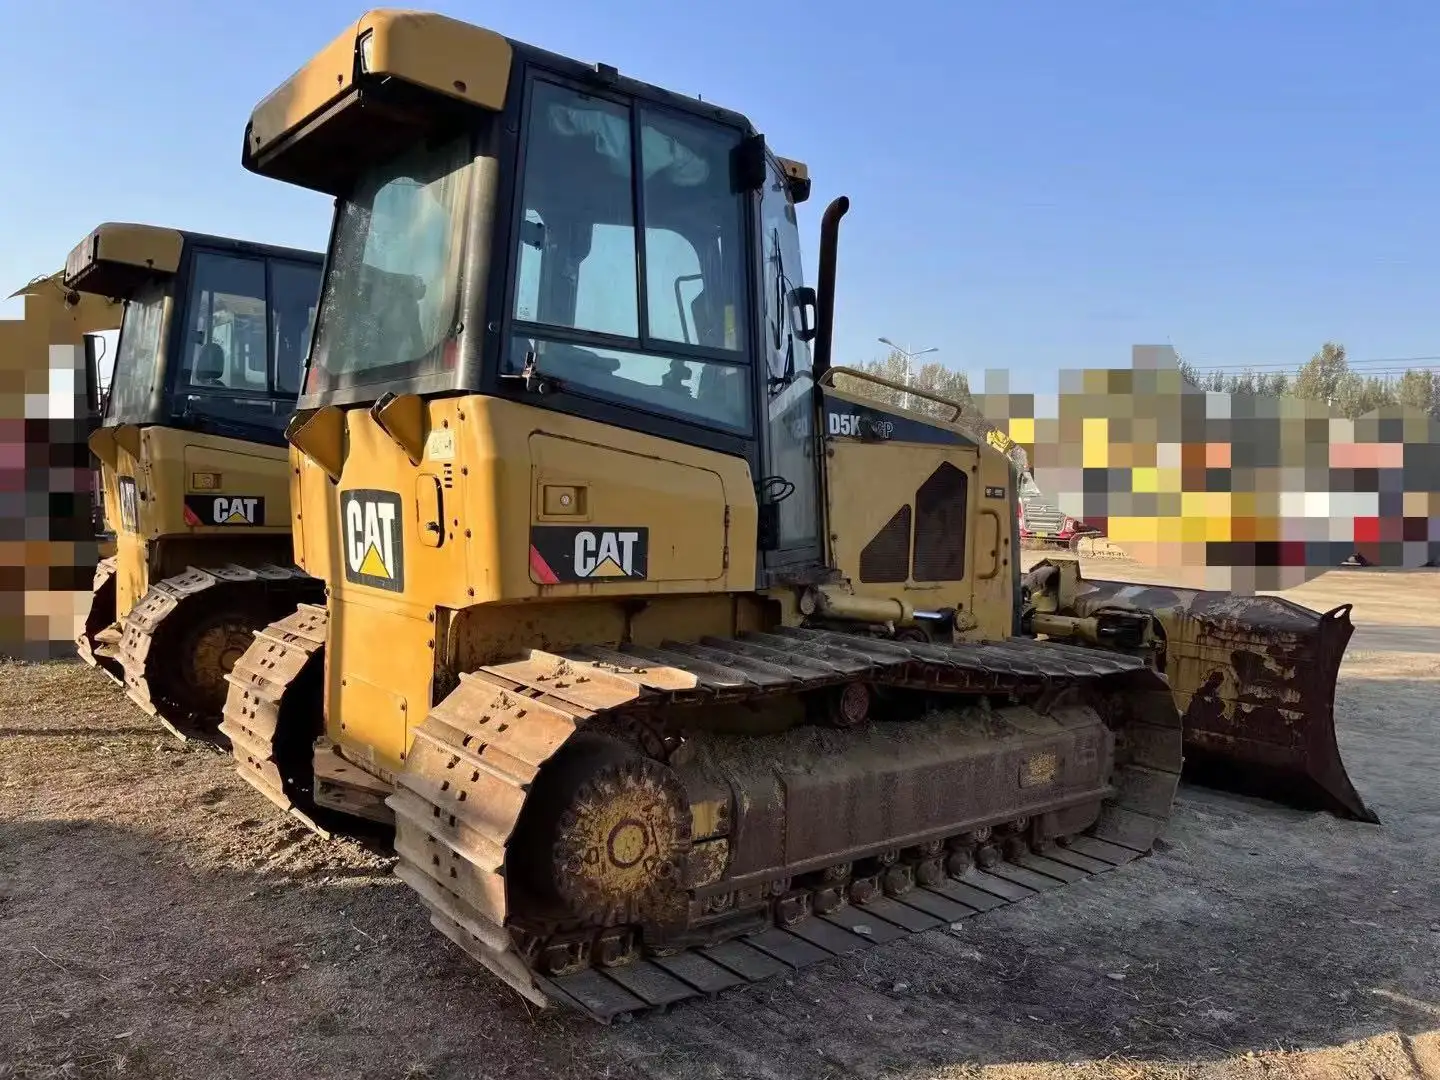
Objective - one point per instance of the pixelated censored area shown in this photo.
(1237, 491)
(48, 547)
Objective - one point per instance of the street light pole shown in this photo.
(909, 355)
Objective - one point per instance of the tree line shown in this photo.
(1326, 376)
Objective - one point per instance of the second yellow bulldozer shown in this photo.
(194, 473)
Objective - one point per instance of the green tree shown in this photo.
(1419, 390)
(892, 368)
(1355, 396)
(1276, 385)
(934, 377)
(1320, 378)
(1379, 393)
(947, 382)
(1244, 383)
(1191, 374)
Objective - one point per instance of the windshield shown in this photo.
(137, 359)
(652, 315)
(391, 292)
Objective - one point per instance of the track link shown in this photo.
(281, 654)
(155, 677)
(97, 641)
(473, 759)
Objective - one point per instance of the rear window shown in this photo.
(391, 295)
(137, 358)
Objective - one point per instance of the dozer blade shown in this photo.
(1254, 678)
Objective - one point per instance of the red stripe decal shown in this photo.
(540, 569)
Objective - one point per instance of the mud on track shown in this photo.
(158, 918)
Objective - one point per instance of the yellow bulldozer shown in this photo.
(191, 448)
(674, 666)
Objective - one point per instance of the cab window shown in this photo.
(137, 358)
(391, 298)
(247, 330)
(294, 296)
(225, 346)
(649, 315)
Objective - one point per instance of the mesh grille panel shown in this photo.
(940, 525)
(887, 556)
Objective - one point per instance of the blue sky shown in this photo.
(1034, 185)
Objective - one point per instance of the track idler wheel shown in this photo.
(846, 706)
(205, 653)
(615, 826)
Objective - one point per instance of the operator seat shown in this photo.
(209, 366)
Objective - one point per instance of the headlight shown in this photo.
(367, 51)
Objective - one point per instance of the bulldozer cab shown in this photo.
(630, 256)
(214, 331)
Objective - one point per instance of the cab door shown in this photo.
(789, 489)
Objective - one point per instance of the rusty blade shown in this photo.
(1254, 677)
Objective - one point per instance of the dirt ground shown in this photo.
(159, 919)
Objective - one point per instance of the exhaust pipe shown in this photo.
(825, 294)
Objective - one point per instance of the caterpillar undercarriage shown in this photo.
(594, 830)
(193, 477)
(672, 664)
(178, 643)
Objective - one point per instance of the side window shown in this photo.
(694, 225)
(604, 282)
(226, 340)
(294, 294)
(579, 217)
(527, 285)
(675, 286)
(673, 343)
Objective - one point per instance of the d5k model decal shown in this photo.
(374, 540)
(560, 553)
(225, 509)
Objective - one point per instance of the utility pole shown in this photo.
(909, 355)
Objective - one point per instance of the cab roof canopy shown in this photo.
(395, 76)
(119, 258)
